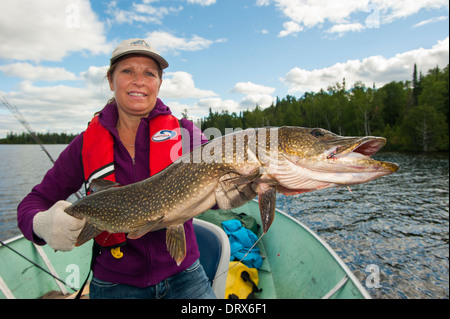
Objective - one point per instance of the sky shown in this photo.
(223, 54)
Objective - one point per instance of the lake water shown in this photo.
(393, 232)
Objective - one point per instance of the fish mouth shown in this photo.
(366, 146)
(360, 151)
(328, 160)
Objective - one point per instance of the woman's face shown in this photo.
(135, 82)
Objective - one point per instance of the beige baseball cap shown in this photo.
(137, 46)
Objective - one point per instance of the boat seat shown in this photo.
(214, 248)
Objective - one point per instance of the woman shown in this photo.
(120, 145)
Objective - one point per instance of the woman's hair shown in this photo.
(112, 68)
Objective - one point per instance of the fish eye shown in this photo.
(317, 133)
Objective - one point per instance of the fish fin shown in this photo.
(234, 190)
(239, 179)
(267, 200)
(88, 232)
(99, 184)
(144, 228)
(176, 242)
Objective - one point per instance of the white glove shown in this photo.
(59, 230)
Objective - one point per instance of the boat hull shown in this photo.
(298, 264)
(27, 281)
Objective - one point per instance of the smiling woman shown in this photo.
(122, 144)
(136, 81)
(135, 77)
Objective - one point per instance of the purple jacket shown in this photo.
(146, 260)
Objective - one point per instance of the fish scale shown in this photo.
(230, 171)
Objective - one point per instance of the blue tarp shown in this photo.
(241, 239)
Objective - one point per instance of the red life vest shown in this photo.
(98, 157)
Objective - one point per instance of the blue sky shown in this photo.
(224, 54)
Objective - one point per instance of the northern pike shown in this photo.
(230, 171)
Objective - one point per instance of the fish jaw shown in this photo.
(340, 162)
(354, 156)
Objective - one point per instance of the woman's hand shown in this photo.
(59, 230)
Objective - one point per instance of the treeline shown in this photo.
(412, 115)
(47, 138)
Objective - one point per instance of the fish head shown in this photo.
(316, 158)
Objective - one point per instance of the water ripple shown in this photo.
(399, 223)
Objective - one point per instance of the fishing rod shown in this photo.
(36, 265)
(18, 115)
(15, 111)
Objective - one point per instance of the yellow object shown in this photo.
(241, 281)
(116, 253)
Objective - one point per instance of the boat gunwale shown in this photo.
(12, 239)
(330, 250)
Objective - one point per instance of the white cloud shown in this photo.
(432, 20)
(28, 71)
(64, 108)
(199, 109)
(251, 100)
(54, 98)
(290, 27)
(256, 94)
(140, 12)
(311, 13)
(202, 2)
(180, 85)
(262, 3)
(218, 105)
(251, 88)
(95, 75)
(49, 30)
(165, 42)
(178, 108)
(57, 108)
(394, 10)
(346, 27)
(376, 69)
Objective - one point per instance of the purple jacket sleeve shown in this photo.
(63, 179)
